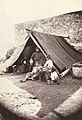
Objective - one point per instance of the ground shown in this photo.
(50, 95)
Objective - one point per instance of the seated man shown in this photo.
(36, 72)
(36, 56)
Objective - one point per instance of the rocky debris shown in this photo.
(63, 25)
(70, 106)
(50, 116)
(17, 100)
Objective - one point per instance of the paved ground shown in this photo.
(49, 95)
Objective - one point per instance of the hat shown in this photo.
(36, 48)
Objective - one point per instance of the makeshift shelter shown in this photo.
(61, 52)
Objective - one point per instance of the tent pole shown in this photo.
(37, 44)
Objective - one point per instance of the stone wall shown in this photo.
(64, 25)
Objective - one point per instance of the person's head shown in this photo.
(37, 49)
(47, 57)
(36, 63)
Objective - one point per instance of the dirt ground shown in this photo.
(50, 95)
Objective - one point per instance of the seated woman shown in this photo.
(36, 72)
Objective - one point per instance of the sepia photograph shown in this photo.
(40, 59)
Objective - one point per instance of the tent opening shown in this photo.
(25, 56)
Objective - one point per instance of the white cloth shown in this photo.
(31, 62)
(49, 64)
(54, 75)
(35, 70)
(24, 62)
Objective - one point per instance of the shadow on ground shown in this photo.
(7, 115)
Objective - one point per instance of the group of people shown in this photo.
(41, 67)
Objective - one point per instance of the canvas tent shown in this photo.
(62, 53)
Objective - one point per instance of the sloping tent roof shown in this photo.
(62, 54)
(16, 54)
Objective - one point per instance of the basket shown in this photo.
(77, 70)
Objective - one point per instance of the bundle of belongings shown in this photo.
(20, 68)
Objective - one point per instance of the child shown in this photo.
(50, 72)
(36, 72)
(48, 68)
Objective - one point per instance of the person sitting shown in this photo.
(54, 76)
(36, 72)
(48, 68)
(36, 56)
(50, 72)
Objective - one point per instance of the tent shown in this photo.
(61, 52)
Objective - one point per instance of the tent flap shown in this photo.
(16, 54)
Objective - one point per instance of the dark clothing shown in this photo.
(38, 56)
(47, 75)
